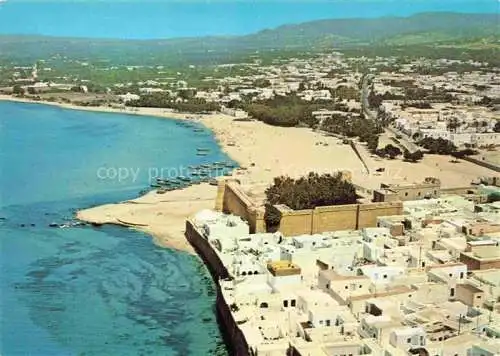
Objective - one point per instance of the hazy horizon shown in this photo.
(174, 19)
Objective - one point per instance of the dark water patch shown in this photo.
(38, 275)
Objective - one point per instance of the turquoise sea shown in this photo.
(90, 290)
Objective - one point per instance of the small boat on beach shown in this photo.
(162, 181)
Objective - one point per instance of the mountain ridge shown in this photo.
(491, 19)
(311, 35)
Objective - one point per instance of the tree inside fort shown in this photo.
(307, 192)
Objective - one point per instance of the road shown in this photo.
(365, 91)
(405, 141)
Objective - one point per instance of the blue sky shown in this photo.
(175, 18)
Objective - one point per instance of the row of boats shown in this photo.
(165, 185)
(193, 126)
(202, 151)
(68, 224)
(204, 173)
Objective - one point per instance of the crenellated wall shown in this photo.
(369, 212)
(295, 222)
(335, 217)
(231, 199)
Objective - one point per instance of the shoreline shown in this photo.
(264, 152)
(108, 213)
(138, 111)
(160, 216)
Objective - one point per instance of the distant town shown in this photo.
(398, 257)
(442, 106)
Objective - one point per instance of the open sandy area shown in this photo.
(489, 156)
(265, 152)
(452, 173)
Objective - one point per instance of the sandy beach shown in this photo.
(265, 151)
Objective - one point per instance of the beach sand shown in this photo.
(161, 215)
(266, 152)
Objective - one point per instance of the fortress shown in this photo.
(231, 199)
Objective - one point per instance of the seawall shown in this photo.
(233, 337)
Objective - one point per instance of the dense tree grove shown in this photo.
(292, 110)
(438, 146)
(162, 100)
(306, 193)
(463, 153)
(285, 115)
(17, 90)
(413, 156)
(390, 151)
(354, 126)
(186, 94)
(412, 97)
(288, 110)
(444, 147)
(311, 191)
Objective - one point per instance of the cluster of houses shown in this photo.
(463, 126)
(426, 282)
(466, 121)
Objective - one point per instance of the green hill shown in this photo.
(315, 35)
